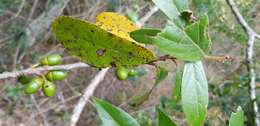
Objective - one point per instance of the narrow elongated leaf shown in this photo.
(176, 93)
(237, 118)
(164, 120)
(161, 74)
(113, 116)
(194, 91)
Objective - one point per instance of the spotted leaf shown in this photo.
(97, 47)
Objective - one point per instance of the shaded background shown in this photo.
(25, 37)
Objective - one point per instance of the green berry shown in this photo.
(24, 79)
(53, 59)
(56, 75)
(49, 88)
(38, 80)
(122, 73)
(33, 86)
(132, 72)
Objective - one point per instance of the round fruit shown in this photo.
(33, 85)
(49, 88)
(132, 72)
(38, 80)
(56, 75)
(24, 79)
(122, 73)
(53, 59)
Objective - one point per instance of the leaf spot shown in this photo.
(100, 52)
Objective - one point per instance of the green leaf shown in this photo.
(182, 5)
(139, 99)
(175, 42)
(98, 47)
(173, 9)
(237, 118)
(188, 44)
(112, 115)
(199, 34)
(144, 35)
(164, 120)
(161, 74)
(194, 93)
(176, 93)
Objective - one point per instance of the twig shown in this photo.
(44, 118)
(41, 24)
(39, 70)
(257, 36)
(32, 10)
(222, 59)
(88, 92)
(249, 58)
(142, 21)
(54, 106)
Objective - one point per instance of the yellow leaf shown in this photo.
(116, 24)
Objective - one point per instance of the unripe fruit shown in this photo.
(33, 86)
(49, 88)
(122, 73)
(56, 75)
(53, 59)
(38, 80)
(132, 72)
(24, 79)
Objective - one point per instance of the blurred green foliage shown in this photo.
(144, 119)
(9, 5)
(13, 92)
(221, 18)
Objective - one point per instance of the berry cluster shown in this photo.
(44, 82)
(123, 73)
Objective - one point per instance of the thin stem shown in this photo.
(39, 70)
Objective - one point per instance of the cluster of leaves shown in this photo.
(221, 20)
(107, 43)
(188, 41)
(111, 115)
(46, 83)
